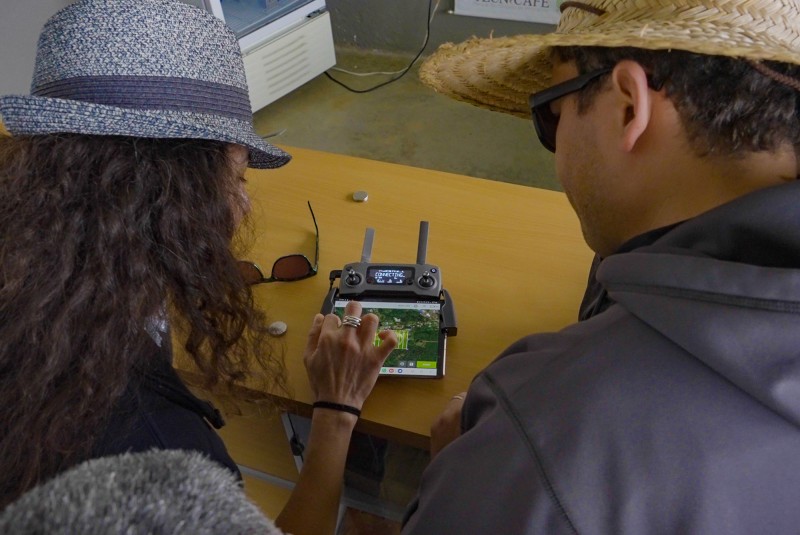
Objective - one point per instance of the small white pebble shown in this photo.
(277, 328)
(360, 196)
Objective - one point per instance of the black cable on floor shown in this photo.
(403, 73)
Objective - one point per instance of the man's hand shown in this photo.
(447, 426)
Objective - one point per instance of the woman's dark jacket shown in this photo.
(158, 411)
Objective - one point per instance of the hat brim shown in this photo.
(32, 115)
(494, 73)
(501, 73)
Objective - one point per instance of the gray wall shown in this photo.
(388, 25)
(399, 25)
(20, 24)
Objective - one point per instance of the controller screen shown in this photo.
(389, 275)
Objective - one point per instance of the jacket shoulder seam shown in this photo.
(503, 399)
(775, 305)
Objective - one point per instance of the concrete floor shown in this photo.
(408, 123)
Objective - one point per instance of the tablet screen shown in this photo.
(421, 343)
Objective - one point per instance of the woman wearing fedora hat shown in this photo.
(674, 405)
(121, 192)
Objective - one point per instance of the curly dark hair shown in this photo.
(725, 104)
(99, 234)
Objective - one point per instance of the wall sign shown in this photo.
(545, 11)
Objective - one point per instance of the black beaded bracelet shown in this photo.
(336, 407)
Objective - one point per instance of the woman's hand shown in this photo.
(447, 426)
(342, 361)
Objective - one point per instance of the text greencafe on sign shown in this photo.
(545, 11)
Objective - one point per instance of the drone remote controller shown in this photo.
(396, 282)
(419, 280)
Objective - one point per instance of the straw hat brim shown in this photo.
(501, 73)
(32, 115)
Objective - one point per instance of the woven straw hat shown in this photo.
(500, 74)
(143, 68)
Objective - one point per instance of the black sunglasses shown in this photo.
(289, 268)
(545, 121)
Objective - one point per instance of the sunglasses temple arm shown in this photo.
(316, 240)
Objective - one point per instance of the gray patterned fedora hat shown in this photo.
(143, 68)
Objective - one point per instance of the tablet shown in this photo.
(421, 346)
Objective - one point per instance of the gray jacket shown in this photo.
(675, 410)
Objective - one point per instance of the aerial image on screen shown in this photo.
(416, 325)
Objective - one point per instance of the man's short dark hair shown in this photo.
(725, 104)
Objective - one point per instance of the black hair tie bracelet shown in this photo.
(336, 407)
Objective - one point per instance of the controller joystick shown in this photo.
(353, 278)
(426, 281)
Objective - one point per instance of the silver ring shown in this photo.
(351, 321)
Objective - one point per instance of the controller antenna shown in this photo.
(366, 251)
(422, 245)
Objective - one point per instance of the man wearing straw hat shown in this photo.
(674, 405)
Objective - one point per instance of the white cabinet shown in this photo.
(285, 43)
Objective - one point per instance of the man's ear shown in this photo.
(629, 81)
